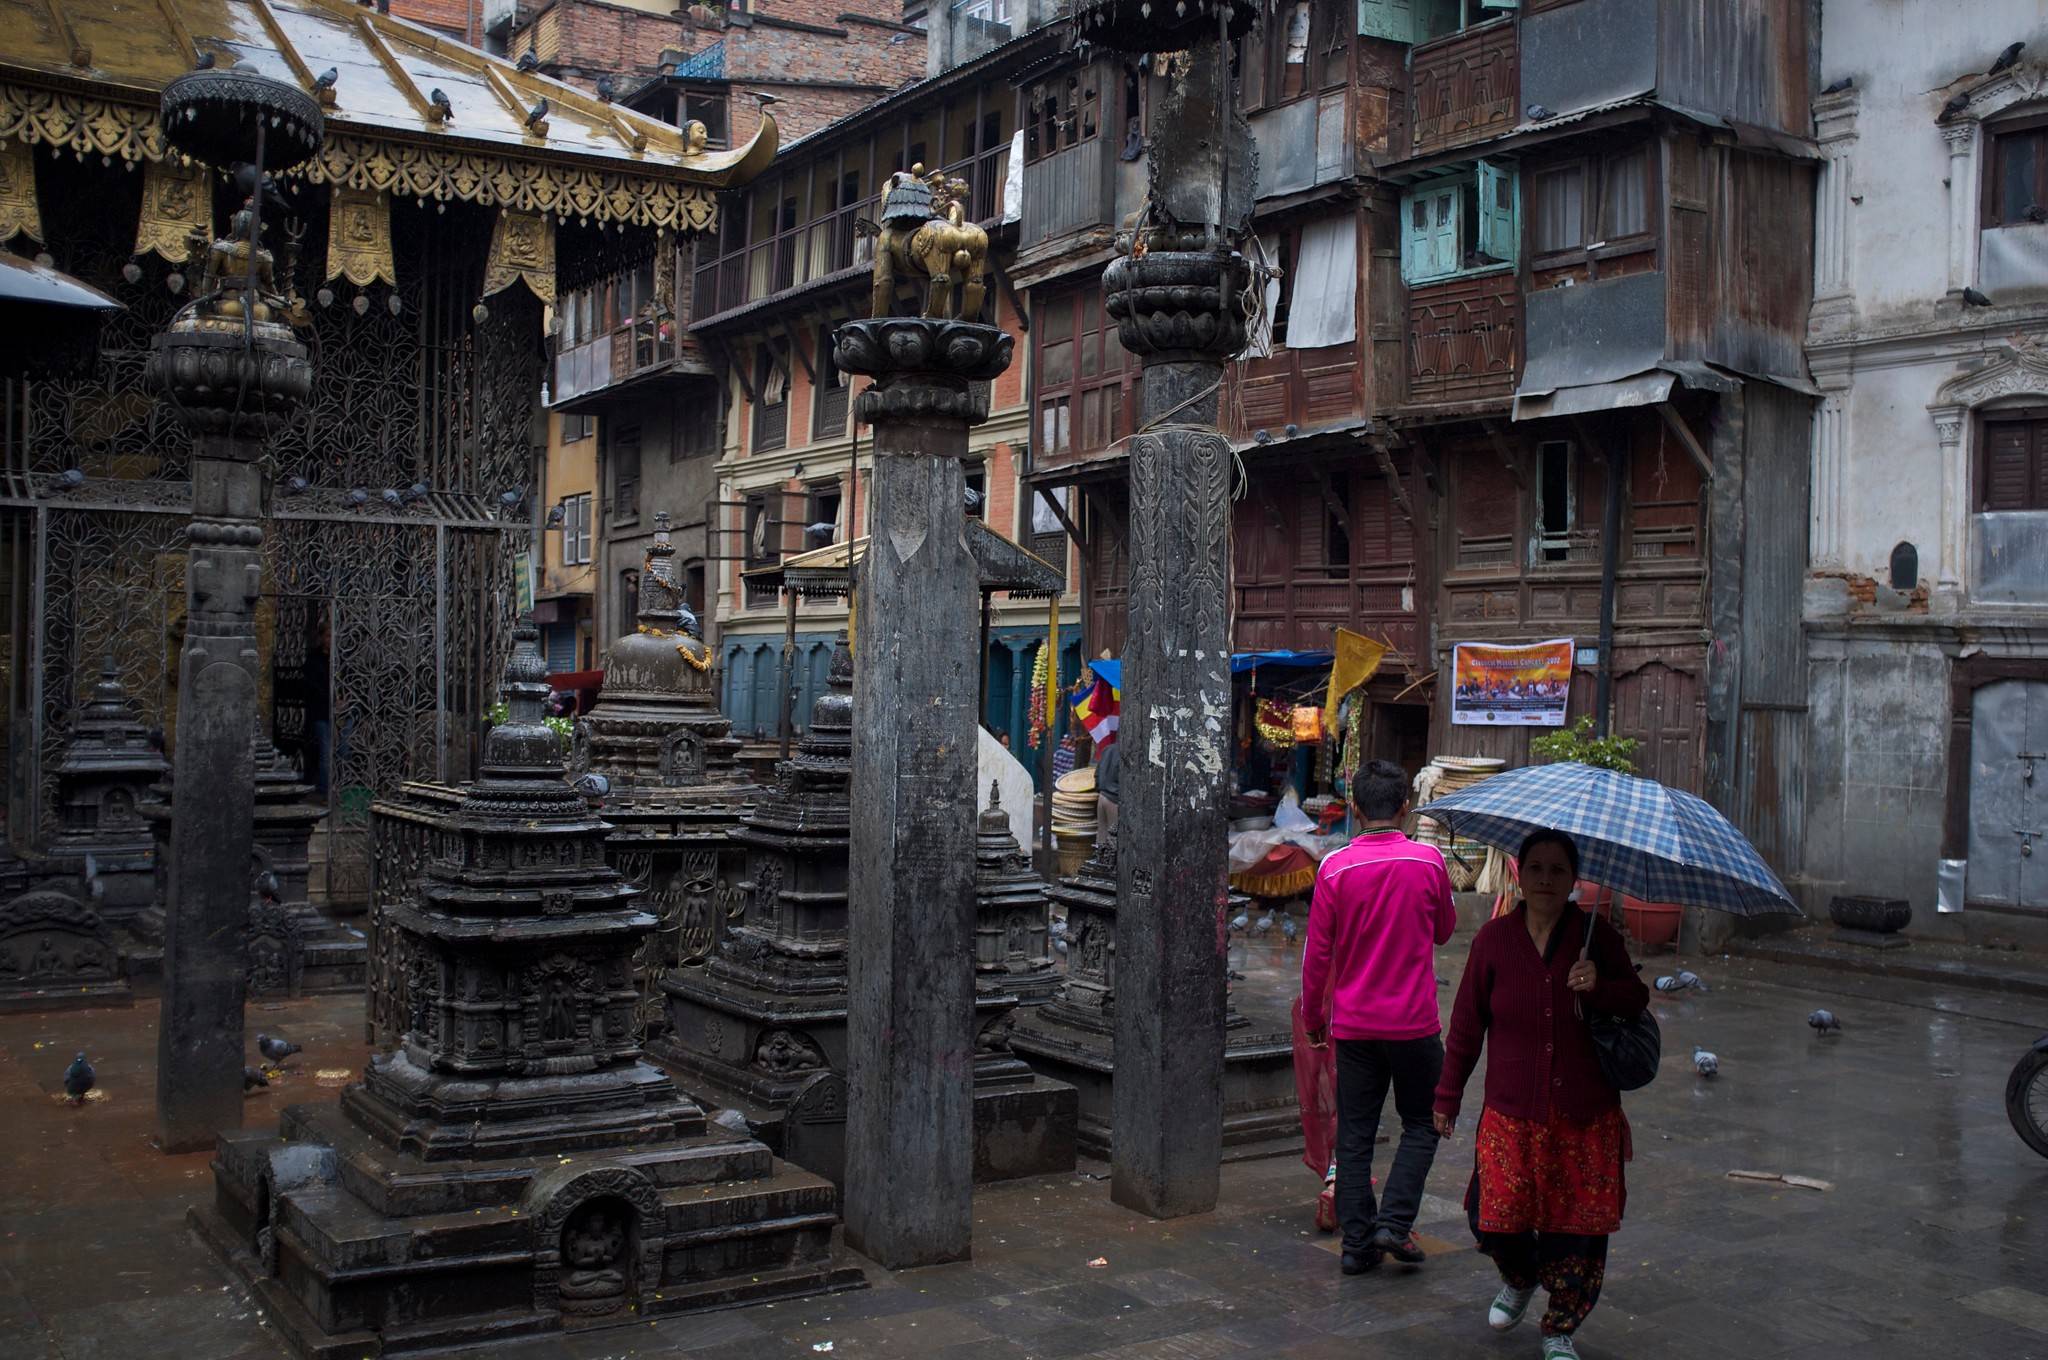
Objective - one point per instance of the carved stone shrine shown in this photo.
(1012, 942)
(57, 953)
(514, 1166)
(408, 831)
(1074, 1038)
(760, 1028)
(108, 767)
(674, 794)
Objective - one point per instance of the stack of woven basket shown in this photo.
(1443, 776)
(1073, 818)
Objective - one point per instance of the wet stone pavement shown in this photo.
(1932, 1241)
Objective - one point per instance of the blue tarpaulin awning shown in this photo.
(1240, 662)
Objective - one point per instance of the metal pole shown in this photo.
(786, 719)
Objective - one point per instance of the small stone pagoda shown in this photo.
(761, 1028)
(290, 945)
(514, 1166)
(108, 768)
(1074, 1038)
(1012, 945)
(674, 793)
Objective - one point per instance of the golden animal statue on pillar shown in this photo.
(924, 227)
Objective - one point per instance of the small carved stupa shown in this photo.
(1012, 951)
(109, 765)
(672, 789)
(762, 1028)
(1073, 1038)
(515, 1164)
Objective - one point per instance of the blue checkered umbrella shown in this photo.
(1634, 835)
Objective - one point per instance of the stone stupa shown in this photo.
(514, 1166)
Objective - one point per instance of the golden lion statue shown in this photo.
(924, 226)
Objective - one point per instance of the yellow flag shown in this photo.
(1358, 657)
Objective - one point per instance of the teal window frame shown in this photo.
(1433, 250)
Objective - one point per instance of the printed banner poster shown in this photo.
(1511, 686)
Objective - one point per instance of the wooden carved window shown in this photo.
(1086, 383)
(2018, 182)
(2014, 475)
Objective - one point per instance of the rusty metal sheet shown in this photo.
(1593, 52)
(1644, 389)
(1593, 333)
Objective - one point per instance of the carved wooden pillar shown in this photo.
(910, 1053)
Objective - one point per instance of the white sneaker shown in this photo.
(1508, 1307)
(1559, 1348)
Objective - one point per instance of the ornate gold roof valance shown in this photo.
(409, 113)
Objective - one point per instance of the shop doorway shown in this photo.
(1400, 733)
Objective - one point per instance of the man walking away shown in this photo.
(1368, 977)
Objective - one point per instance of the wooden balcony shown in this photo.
(1463, 88)
(1464, 339)
(1308, 388)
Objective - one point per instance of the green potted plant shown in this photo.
(1653, 924)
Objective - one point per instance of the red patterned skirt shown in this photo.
(1556, 1177)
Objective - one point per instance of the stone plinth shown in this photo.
(1073, 1039)
(514, 1165)
(56, 953)
(760, 1027)
(109, 765)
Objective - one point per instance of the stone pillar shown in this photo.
(1962, 140)
(232, 369)
(910, 1059)
(1176, 298)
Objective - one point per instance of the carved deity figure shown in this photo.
(593, 1250)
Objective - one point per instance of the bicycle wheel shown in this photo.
(2026, 1100)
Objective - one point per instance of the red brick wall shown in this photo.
(462, 18)
(584, 39)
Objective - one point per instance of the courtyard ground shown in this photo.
(1932, 1240)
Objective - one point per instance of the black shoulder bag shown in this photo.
(1628, 1050)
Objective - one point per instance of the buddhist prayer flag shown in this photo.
(1357, 658)
(1098, 712)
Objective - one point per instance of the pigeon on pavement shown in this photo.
(1684, 982)
(1289, 929)
(78, 1079)
(1824, 1022)
(1705, 1063)
(277, 1050)
(251, 1079)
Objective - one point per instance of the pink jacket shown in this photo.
(1382, 904)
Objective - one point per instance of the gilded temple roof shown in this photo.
(410, 111)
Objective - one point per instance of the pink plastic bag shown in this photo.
(1315, 1087)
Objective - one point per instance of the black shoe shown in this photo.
(1358, 1262)
(1400, 1246)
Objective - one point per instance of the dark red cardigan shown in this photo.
(1539, 1055)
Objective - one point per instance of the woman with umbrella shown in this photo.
(1547, 1188)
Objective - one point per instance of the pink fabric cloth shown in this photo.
(1382, 904)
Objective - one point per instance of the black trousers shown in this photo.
(1570, 1266)
(1365, 1070)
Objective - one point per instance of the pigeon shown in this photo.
(1824, 1022)
(1240, 921)
(1842, 86)
(1288, 929)
(1232, 975)
(592, 784)
(78, 1079)
(71, 477)
(1059, 945)
(537, 113)
(443, 108)
(606, 91)
(511, 497)
(2007, 58)
(1684, 982)
(392, 498)
(1263, 924)
(358, 496)
(1537, 113)
(325, 80)
(821, 532)
(295, 486)
(2036, 213)
(206, 61)
(529, 60)
(1973, 298)
(267, 887)
(251, 1079)
(1955, 105)
(1704, 1063)
(277, 1050)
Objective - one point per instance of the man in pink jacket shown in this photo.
(1368, 977)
